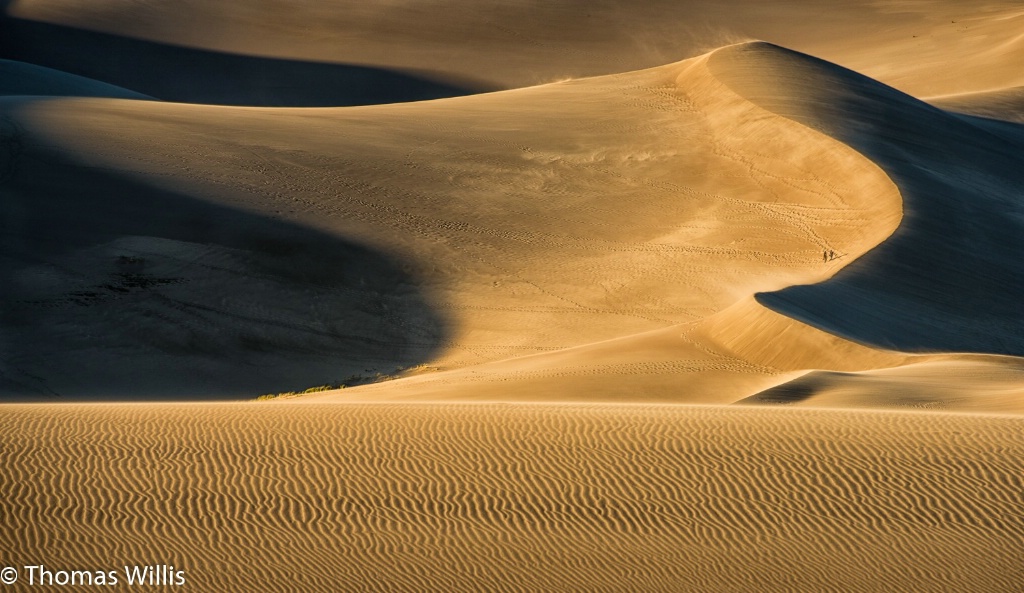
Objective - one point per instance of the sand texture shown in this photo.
(522, 497)
(573, 296)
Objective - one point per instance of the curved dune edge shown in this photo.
(517, 497)
(659, 199)
(948, 280)
(18, 78)
(713, 198)
(952, 381)
(724, 358)
(728, 355)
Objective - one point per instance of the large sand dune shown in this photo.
(573, 279)
(661, 204)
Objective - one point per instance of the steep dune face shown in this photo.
(949, 279)
(660, 197)
(517, 497)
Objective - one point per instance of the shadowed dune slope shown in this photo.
(518, 497)
(182, 74)
(117, 289)
(17, 78)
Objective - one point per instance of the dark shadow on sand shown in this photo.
(186, 75)
(117, 290)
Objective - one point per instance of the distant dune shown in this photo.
(925, 47)
(188, 75)
(675, 310)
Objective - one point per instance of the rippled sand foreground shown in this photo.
(466, 497)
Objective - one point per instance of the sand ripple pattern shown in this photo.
(447, 497)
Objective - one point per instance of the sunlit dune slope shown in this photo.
(947, 280)
(518, 497)
(619, 224)
(169, 249)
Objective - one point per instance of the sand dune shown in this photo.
(927, 47)
(949, 278)
(962, 382)
(507, 233)
(518, 497)
(935, 285)
(624, 308)
(505, 247)
(183, 74)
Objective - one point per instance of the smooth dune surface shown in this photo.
(1006, 104)
(706, 296)
(434, 497)
(17, 78)
(924, 47)
(963, 382)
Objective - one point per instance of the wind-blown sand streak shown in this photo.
(518, 497)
